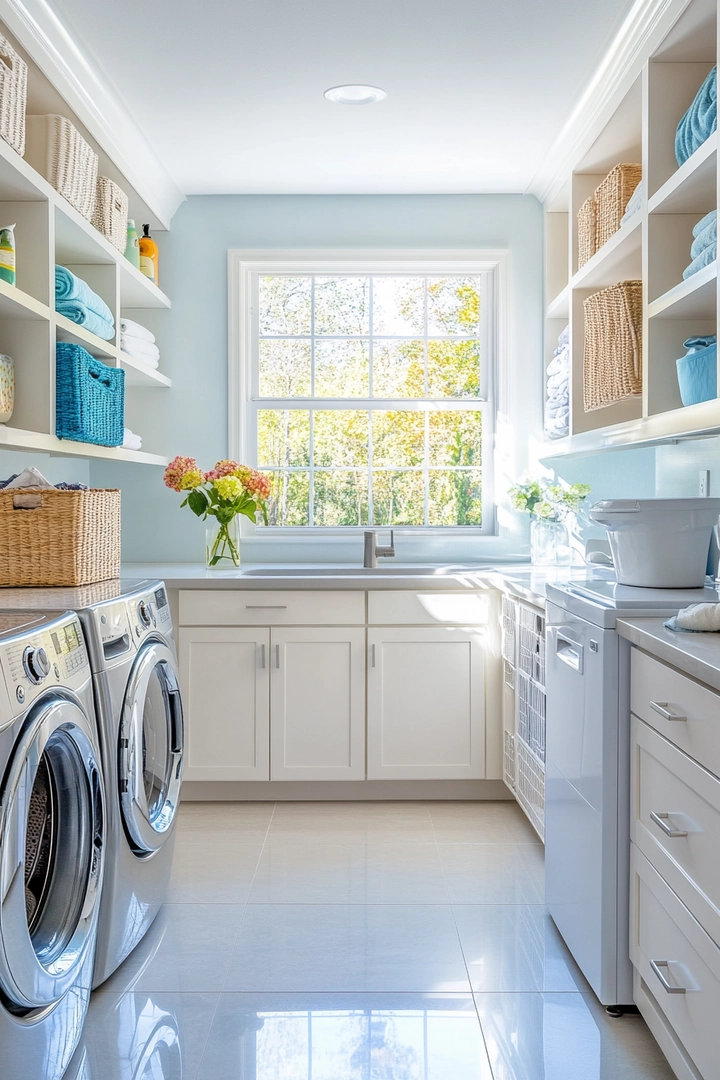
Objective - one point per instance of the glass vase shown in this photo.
(549, 543)
(222, 545)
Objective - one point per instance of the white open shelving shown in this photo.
(50, 231)
(652, 246)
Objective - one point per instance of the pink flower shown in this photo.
(176, 470)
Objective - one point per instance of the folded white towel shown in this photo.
(144, 360)
(144, 349)
(29, 478)
(131, 441)
(136, 330)
(704, 618)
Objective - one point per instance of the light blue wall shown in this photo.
(192, 417)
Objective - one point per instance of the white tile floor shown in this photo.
(355, 941)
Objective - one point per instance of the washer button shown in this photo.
(20, 694)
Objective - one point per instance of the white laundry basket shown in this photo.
(659, 543)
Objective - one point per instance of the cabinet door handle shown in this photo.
(277, 656)
(661, 707)
(372, 656)
(262, 656)
(668, 987)
(266, 607)
(661, 821)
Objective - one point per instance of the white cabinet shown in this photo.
(225, 679)
(317, 696)
(426, 703)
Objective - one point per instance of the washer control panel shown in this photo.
(54, 654)
(149, 611)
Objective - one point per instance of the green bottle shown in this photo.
(132, 249)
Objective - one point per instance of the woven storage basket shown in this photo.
(613, 345)
(612, 197)
(57, 150)
(587, 230)
(50, 537)
(89, 397)
(111, 212)
(13, 96)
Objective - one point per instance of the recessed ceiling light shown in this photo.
(355, 94)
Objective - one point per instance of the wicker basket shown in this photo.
(111, 212)
(612, 197)
(13, 96)
(57, 150)
(54, 538)
(89, 397)
(613, 345)
(587, 230)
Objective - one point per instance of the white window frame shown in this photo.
(244, 269)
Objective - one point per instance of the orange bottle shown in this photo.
(149, 255)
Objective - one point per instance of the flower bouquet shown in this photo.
(553, 507)
(223, 493)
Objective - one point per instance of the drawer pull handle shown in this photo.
(661, 821)
(266, 607)
(262, 656)
(277, 656)
(668, 987)
(661, 707)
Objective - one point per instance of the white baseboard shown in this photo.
(340, 790)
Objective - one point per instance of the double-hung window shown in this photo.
(365, 389)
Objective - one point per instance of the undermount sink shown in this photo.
(361, 571)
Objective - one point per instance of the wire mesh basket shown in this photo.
(509, 760)
(530, 786)
(531, 715)
(531, 643)
(509, 624)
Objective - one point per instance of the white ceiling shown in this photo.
(230, 92)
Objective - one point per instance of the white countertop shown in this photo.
(520, 579)
(697, 655)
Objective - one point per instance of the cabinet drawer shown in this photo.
(673, 953)
(685, 799)
(656, 689)
(406, 608)
(261, 607)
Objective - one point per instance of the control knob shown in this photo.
(36, 664)
(145, 613)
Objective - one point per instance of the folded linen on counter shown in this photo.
(84, 316)
(131, 441)
(696, 619)
(707, 255)
(143, 350)
(136, 330)
(699, 121)
(69, 287)
(634, 202)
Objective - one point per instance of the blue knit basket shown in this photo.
(697, 371)
(89, 397)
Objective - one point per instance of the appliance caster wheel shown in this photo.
(616, 1011)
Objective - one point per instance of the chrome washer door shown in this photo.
(51, 854)
(150, 753)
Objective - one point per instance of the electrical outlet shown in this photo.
(704, 488)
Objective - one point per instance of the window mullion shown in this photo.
(371, 328)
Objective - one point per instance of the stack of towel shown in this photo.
(704, 246)
(557, 404)
(131, 441)
(137, 341)
(76, 301)
(699, 121)
(634, 203)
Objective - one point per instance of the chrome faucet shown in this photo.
(373, 552)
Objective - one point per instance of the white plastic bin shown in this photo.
(659, 543)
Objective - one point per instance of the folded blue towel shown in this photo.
(699, 121)
(706, 256)
(70, 287)
(705, 239)
(703, 223)
(84, 316)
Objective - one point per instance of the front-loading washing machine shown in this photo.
(52, 842)
(129, 636)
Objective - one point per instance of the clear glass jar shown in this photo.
(549, 543)
(222, 545)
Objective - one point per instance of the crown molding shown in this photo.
(637, 37)
(51, 43)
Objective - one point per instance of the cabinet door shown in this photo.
(317, 695)
(226, 698)
(426, 704)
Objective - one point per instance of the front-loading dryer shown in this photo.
(129, 633)
(52, 849)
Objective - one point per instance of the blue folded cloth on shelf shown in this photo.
(697, 370)
(84, 316)
(705, 235)
(699, 121)
(706, 256)
(76, 300)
